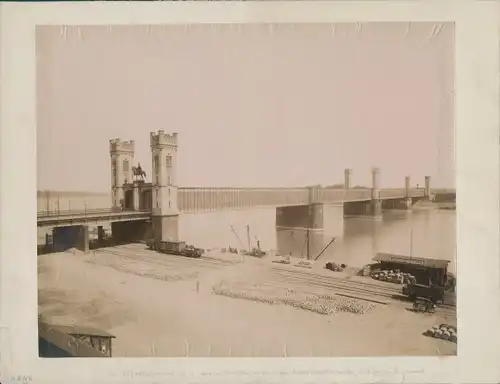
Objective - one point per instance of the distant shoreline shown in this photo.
(70, 193)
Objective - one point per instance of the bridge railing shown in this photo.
(443, 191)
(358, 194)
(392, 193)
(321, 195)
(219, 199)
(418, 192)
(87, 212)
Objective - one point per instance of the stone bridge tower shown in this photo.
(122, 157)
(165, 211)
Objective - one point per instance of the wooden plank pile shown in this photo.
(322, 304)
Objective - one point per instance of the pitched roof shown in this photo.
(66, 342)
(82, 330)
(420, 261)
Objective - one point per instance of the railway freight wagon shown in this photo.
(175, 248)
(426, 271)
(431, 275)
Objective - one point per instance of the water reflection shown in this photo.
(421, 233)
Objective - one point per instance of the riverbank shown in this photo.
(161, 305)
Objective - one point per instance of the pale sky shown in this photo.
(290, 105)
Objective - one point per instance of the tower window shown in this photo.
(157, 160)
(113, 169)
(169, 161)
(125, 168)
(157, 163)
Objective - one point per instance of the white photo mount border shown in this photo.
(477, 182)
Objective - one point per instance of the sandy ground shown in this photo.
(162, 305)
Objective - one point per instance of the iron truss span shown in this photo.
(192, 200)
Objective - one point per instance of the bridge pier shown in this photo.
(131, 231)
(376, 203)
(371, 208)
(398, 204)
(375, 208)
(136, 195)
(311, 225)
(64, 238)
(427, 191)
(300, 217)
(101, 234)
(83, 238)
(166, 228)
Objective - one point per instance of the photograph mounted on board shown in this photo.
(246, 190)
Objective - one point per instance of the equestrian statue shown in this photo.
(138, 172)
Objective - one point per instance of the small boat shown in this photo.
(255, 252)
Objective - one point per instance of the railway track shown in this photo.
(173, 261)
(277, 277)
(342, 288)
(305, 280)
(339, 282)
(332, 276)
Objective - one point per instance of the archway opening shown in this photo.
(129, 200)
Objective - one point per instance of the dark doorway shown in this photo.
(146, 200)
(129, 199)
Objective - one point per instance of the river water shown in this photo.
(424, 232)
(429, 233)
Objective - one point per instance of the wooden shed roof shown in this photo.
(55, 336)
(82, 330)
(417, 261)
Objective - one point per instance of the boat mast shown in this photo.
(411, 242)
(236, 234)
(248, 238)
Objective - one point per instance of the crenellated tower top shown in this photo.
(161, 138)
(118, 145)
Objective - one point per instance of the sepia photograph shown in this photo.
(246, 190)
(249, 191)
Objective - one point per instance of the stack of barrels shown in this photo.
(335, 267)
(394, 277)
(443, 331)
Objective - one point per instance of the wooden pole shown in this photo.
(248, 238)
(308, 243)
(324, 249)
